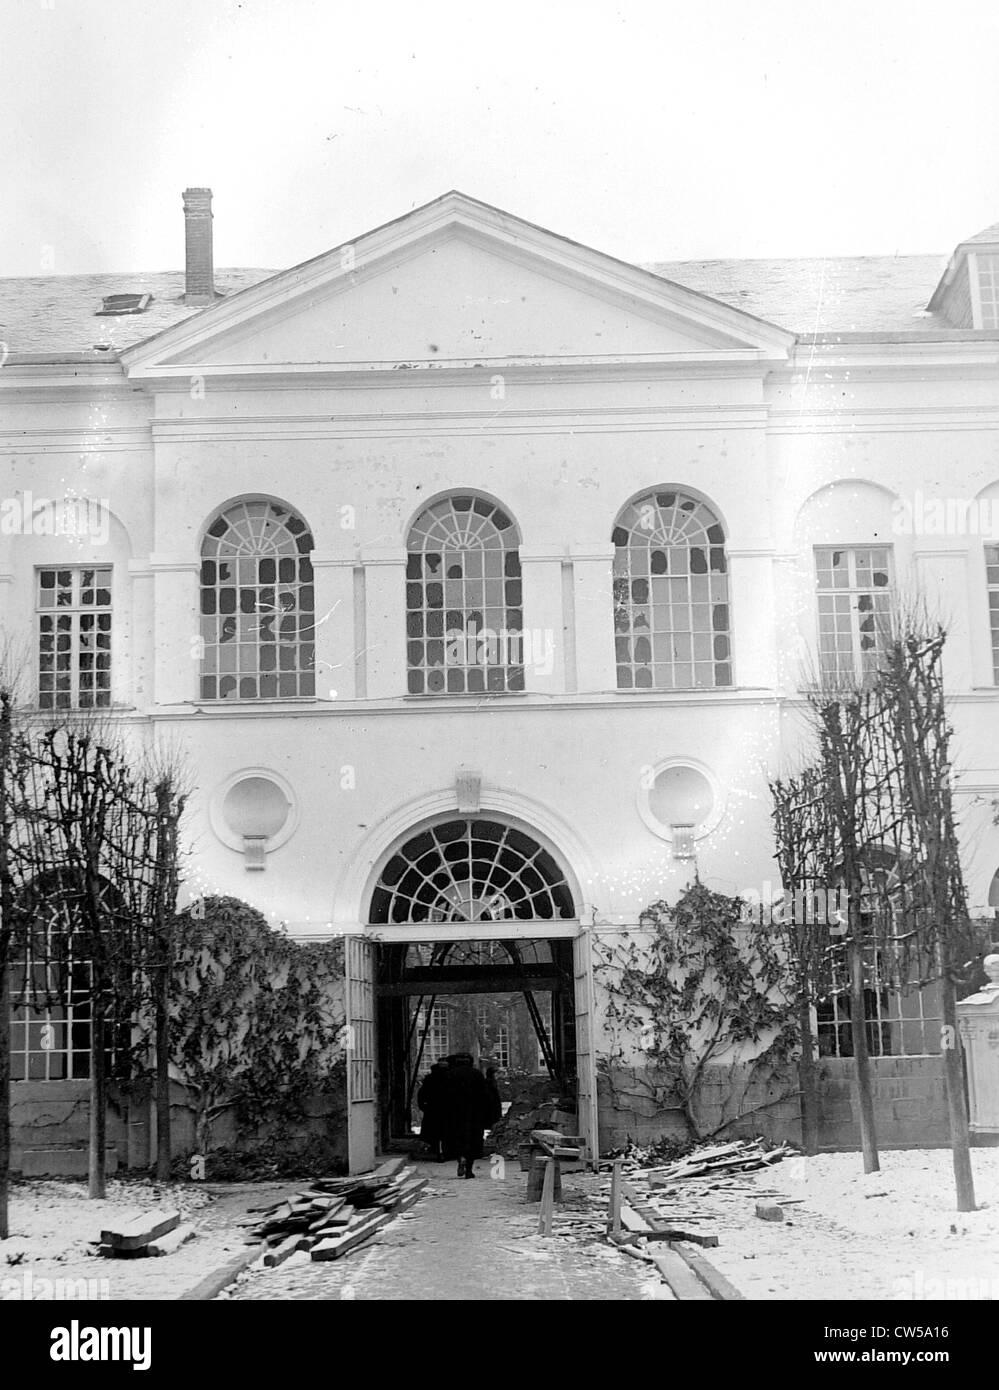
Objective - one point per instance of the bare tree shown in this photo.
(11, 663)
(95, 835)
(805, 921)
(881, 828)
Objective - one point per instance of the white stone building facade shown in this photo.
(465, 522)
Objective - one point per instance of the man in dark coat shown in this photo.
(495, 1099)
(430, 1099)
(467, 1106)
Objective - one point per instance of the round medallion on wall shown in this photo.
(679, 798)
(254, 811)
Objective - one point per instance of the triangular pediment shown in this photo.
(455, 282)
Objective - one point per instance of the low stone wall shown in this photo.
(50, 1128)
(910, 1109)
(50, 1122)
(325, 1120)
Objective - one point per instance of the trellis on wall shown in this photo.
(868, 831)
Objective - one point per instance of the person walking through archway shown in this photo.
(467, 1105)
(430, 1099)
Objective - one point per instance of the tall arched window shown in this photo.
(464, 608)
(257, 605)
(671, 595)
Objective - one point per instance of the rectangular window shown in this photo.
(437, 1045)
(548, 1020)
(501, 1050)
(992, 580)
(988, 290)
(902, 1020)
(493, 1029)
(74, 638)
(50, 1034)
(855, 592)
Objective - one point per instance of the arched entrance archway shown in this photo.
(466, 908)
(471, 869)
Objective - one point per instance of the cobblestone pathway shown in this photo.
(462, 1241)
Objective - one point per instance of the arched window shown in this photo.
(257, 605)
(471, 871)
(52, 986)
(464, 608)
(671, 595)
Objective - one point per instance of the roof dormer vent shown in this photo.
(113, 304)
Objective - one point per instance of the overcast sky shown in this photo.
(650, 129)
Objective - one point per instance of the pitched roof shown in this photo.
(56, 313)
(841, 294)
(861, 294)
(987, 235)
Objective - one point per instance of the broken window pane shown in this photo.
(248, 549)
(671, 579)
(463, 584)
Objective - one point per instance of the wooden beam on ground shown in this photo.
(670, 1234)
(720, 1287)
(282, 1252)
(173, 1240)
(342, 1245)
(673, 1268)
(389, 1168)
(135, 1234)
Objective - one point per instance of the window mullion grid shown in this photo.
(854, 590)
(992, 599)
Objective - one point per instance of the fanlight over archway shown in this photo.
(471, 871)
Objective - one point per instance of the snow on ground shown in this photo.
(49, 1255)
(893, 1234)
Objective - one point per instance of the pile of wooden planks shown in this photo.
(742, 1156)
(155, 1233)
(335, 1215)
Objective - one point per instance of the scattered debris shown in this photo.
(740, 1157)
(650, 1155)
(335, 1215)
(535, 1104)
(769, 1211)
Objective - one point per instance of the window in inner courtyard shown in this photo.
(672, 621)
(855, 595)
(492, 1027)
(992, 578)
(437, 1044)
(464, 602)
(74, 638)
(257, 605)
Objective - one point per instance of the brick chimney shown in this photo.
(200, 277)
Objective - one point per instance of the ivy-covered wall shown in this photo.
(698, 1038)
(910, 1110)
